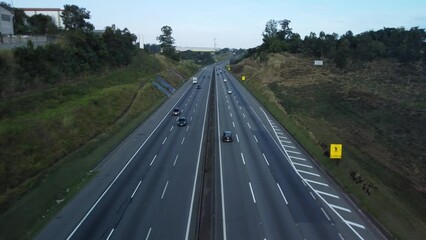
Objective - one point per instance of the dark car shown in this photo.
(227, 136)
(198, 87)
(181, 122)
(176, 112)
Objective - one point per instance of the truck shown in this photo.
(194, 80)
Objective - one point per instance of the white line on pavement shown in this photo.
(340, 208)
(282, 194)
(303, 165)
(313, 174)
(252, 193)
(327, 194)
(110, 233)
(164, 140)
(242, 158)
(183, 140)
(238, 139)
(176, 158)
(149, 233)
(134, 192)
(164, 191)
(319, 183)
(153, 160)
(266, 160)
(255, 138)
(322, 209)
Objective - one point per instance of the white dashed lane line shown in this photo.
(282, 194)
(164, 191)
(238, 139)
(255, 138)
(176, 158)
(233, 124)
(136, 189)
(153, 160)
(266, 160)
(183, 140)
(171, 128)
(242, 158)
(252, 193)
(248, 124)
(164, 140)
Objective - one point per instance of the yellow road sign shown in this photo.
(335, 151)
(243, 77)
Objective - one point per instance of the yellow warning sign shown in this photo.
(335, 151)
(243, 77)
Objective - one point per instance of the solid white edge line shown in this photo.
(282, 194)
(125, 166)
(252, 193)
(188, 226)
(149, 233)
(164, 190)
(136, 189)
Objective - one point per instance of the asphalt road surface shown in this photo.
(265, 185)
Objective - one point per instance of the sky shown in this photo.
(240, 23)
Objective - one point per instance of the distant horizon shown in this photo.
(240, 23)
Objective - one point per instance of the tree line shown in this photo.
(407, 46)
(77, 51)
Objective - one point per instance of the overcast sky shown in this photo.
(240, 23)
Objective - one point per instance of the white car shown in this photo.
(229, 91)
(224, 80)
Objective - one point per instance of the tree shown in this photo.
(74, 18)
(42, 24)
(166, 42)
(285, 33)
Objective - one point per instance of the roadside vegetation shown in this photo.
(64, 107)
(374, 104)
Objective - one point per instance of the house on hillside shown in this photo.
(55, 13)
(6, 21)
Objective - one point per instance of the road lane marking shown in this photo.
(298, 158)
(255, 138)
(230, 114)
(240, 107)
(229, 107)
(327, 194)
(322, 209)
(354, 224)
(319, 183)
(284, 141)
(164, 140)
(252, 193)
(340, 208)
(242, 158)
(341, 237)
(187, 128)
(244, 115)
(176, 158)
(248, 124)
(310, 173)
(164, 191)
(303, 165)
(137, 187)
(194, 110)
(153, 160)
(233, 124)
(149, 233)
(171, 128)
(282, 194)
(110, 233)
(238, 139)
(183, 140)
(312, 195)
(266, 160)
(190, 119)
(293, 152)
(288, 146)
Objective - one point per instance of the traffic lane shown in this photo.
(119, 201)
(340, 209)
(172, 207)
(241, 219)
(257, 134)
(276, 218)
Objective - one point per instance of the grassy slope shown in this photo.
(377, 115)
(53, 138)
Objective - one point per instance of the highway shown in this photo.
(265, 185)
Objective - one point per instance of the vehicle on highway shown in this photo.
(194, 80)
(229, 91)
(198, 87)
(181, 122)
(227, 136)
(224, 80)
(176, 112)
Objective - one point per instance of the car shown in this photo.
(224, 80)
(176, 112)
(229, 91)
(227, 136)
(181, 122)
(198, 87)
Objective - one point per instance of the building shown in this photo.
(55, 13)
(6, 21)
